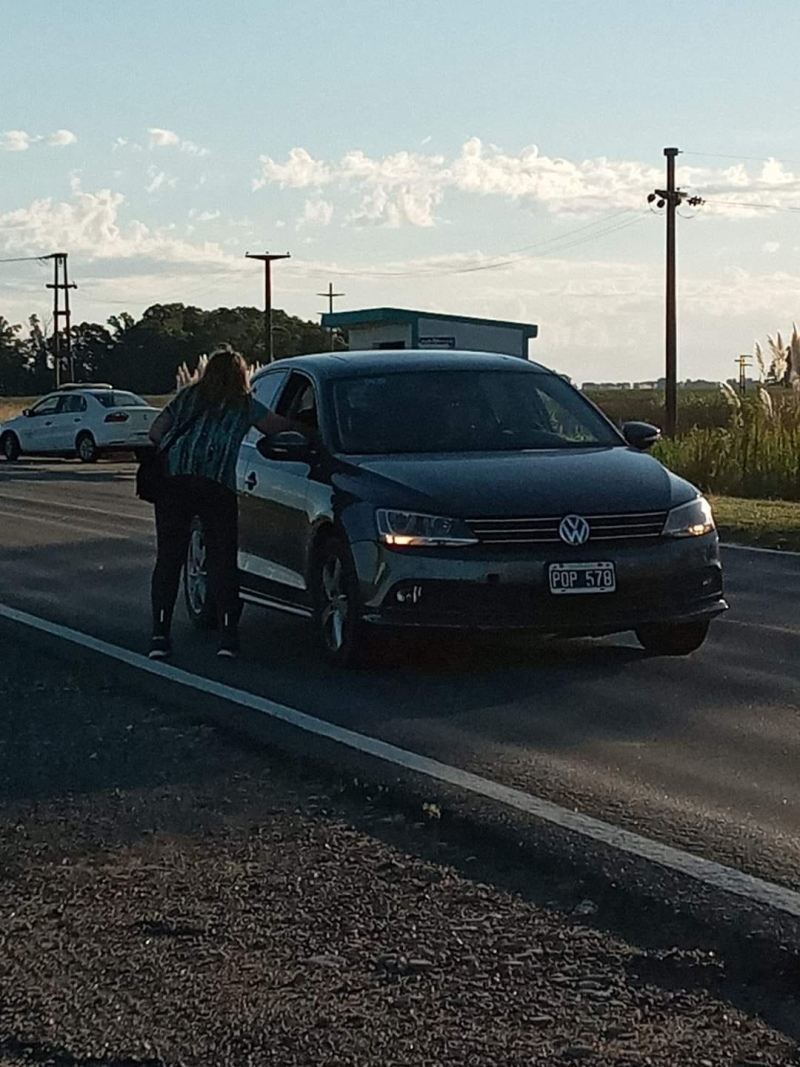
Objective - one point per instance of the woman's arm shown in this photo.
(270, 424)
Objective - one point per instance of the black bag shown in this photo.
(151, 475)
(152, 472)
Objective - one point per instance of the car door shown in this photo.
(67, 422)
(37, 431)
(273, 517)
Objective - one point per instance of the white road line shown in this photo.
(38, 502)
(64, 524)
(755, 548)
(696, 867)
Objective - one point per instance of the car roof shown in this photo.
(80, 386)
(396, 361)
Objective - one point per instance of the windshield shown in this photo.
(114, 399)
(464, 411)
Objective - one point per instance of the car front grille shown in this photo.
(642, 526)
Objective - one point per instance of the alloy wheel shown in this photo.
(336, 603)
(196, 573)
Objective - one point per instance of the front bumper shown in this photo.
(479, 588)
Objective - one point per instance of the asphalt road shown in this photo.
(701, 753)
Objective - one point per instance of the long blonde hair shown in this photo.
(225, 380)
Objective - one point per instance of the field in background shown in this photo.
(697, 408)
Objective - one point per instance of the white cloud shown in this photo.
(771, 247)
(316, 213)
(160, 138)
(204, 216)
(408, 187)
(21, 141)
(159, 179)
(61, 138)
(300, 172)
(89, 225)
(16, 140)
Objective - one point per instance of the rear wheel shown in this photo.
(673, 639)
(9, 446)
(86, 447)
(340, 631)
(200, 605)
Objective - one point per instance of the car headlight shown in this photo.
(690, 520)
(403, 528)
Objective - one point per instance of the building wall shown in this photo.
(473, 336)
(379, 333)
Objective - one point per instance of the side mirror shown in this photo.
(641, 435)
(26, 412)
(288, 445)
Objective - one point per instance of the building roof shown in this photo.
(370, 316)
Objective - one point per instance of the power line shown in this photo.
(757, 159)
(556, 245)
(27, 259)
(745, 203)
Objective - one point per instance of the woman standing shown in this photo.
(200, 431)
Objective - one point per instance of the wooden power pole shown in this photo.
(61, 285)
(331, 297)
(671, 199)
(267, 259)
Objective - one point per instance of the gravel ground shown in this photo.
(167, 898)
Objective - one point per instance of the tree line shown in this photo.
(144, 355)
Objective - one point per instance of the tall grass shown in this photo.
(756, 455)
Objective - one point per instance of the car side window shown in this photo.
(48, 406)
(299, 401)
(73, 404)
(266, 389)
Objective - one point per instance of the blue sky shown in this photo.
(406, 151)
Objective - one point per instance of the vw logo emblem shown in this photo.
(574, 530)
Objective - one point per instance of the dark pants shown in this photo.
(182, 499)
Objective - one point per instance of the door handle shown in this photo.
(48, 423)
(251, 481)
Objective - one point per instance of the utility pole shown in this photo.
(671, 198)
(744, 363)
(267, 259)
(331, 297)
(59, 285)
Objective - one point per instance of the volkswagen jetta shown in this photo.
(462, 490)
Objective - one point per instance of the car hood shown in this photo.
(535, 483)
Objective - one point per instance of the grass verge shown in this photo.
(763, 523)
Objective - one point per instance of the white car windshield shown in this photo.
(464, 411)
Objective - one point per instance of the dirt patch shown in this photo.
(168, 898)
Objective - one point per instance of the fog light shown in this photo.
(408, 594)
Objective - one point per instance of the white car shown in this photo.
(84, 420)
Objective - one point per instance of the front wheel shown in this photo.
(673, 639)
(86, 447)
(340, 630)
(9, 446)
(200, 606)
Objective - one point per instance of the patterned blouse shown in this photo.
(207, 443)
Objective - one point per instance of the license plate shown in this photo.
(582, 578)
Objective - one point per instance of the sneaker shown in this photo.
(229, 638)
(160, 648)
(228, 647)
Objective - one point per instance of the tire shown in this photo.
(86, 447)
(673, 639)
(341, 634)
(200, 606)
(9, 446)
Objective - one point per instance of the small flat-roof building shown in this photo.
(404, 328)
